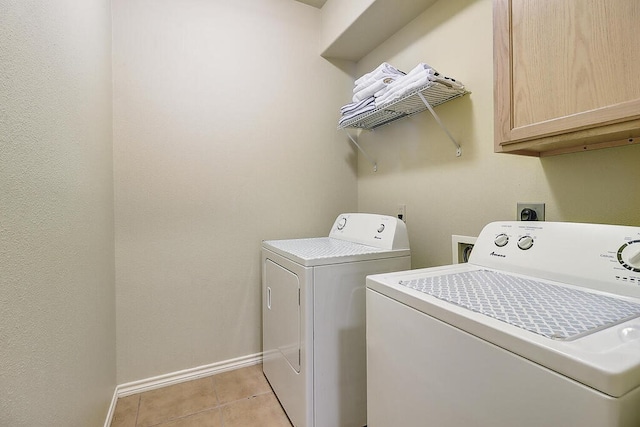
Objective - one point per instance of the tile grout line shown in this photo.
(244, 398)
(211, 408)
(218, 407)
(171, 420)
(215, 391)
(138, 408)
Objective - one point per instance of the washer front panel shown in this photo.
(549, 310)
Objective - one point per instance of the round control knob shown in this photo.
(525, 242)
(381, 228)
(341, 223)
(629, 255)
(501, 240)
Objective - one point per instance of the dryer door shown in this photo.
(282, 314)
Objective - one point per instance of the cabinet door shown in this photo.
(566, 74)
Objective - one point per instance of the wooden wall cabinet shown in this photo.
(566, 75)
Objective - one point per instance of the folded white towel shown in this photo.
(368, 91)
(423, 66)
(374, 79)
(375, 87)
(448, 81)
(419, 76)
(403, 90)
(408, 79)
(417, 72)
(365, 84)
(383, 68)
(424, 81)
(401, 86)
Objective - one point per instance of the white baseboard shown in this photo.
(112, 408)
(164, 380)
(177, 377)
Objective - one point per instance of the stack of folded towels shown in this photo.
(386, 84)
(365, 89)
(420, 76)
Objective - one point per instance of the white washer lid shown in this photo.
(547, 309)
(607, 360)
(328, 250)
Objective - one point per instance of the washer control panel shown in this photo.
(605, 257)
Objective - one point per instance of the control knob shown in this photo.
(525, 242)
(341, 223)
(501, 240)
(629, 255)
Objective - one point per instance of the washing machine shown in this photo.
(540, 328)
(314, 316)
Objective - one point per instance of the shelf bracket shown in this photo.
(442, 126)
(375, 165)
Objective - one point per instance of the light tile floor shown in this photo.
(240, 398)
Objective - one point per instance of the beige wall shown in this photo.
(57, 297)
(446, 195)
(224, 135)
(337, 15)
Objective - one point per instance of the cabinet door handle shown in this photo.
(269, 298)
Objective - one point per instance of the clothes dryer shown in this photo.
(314, 316)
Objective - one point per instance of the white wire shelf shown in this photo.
(435, 93)
(423, 98)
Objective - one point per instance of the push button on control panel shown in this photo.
(381, 228)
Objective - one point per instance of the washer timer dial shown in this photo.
(342, 223)
(501, 240)
(629, 255)
(525, 242)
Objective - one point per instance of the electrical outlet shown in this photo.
(402, 212)
(530, 212)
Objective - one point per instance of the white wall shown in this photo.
(446, 195)
(57, 296)
(224, 135)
